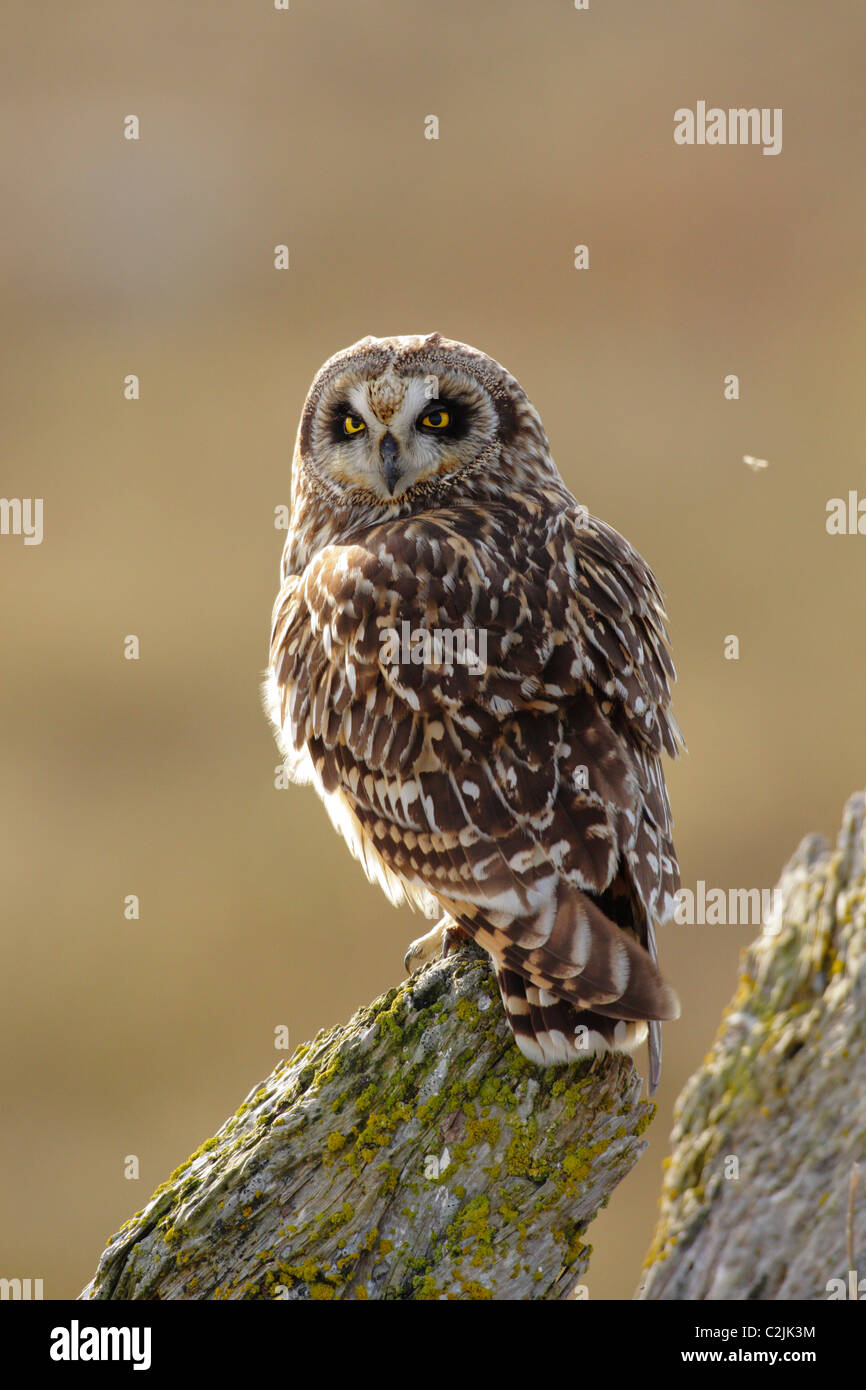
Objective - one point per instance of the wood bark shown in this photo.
(412, 1154)
(758, 1200)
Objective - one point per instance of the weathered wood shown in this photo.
(767, 1132)
(412, 1154)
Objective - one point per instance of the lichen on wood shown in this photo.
(412, 1154)
(767, 1132)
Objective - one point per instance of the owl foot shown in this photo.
(444, 938)
(427, 948)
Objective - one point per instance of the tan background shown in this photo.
(156, 258)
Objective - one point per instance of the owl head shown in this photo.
(392, 423)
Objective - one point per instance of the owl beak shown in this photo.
(389, 452)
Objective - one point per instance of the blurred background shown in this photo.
(156, 777)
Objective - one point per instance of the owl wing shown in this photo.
(522, 792)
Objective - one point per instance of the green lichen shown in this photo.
(474, 1117)
(322, 1292)
(470, 1289)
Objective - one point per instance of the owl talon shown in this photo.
(438, 943)
(425, 949)
(453, 938)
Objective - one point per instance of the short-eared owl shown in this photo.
(473, 673)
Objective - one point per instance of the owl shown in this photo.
(473, 672)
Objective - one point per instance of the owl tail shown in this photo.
(550, 1032)
(573, 981)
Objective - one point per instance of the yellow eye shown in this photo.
(437, 420)
(353, 425)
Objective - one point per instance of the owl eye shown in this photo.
(436, 420)
(353, 424)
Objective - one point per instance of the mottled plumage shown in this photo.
(522, 796)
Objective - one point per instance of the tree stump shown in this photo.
(412, 1154)
(758, 1201)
